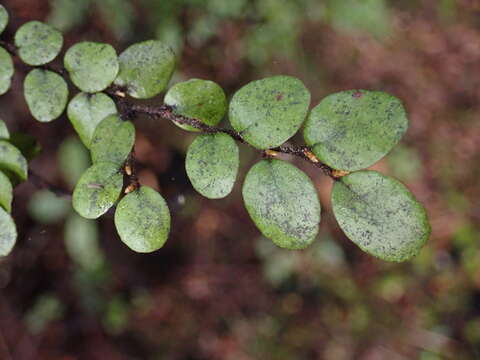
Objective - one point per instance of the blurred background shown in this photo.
(218, 290)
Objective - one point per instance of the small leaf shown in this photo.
(74, 160)
(97, 190)
(199, 99)
(46, 94)
(38, 43)
(146, 68)
(47, 208)
(4, 133)
(8, 235)
(85, 112)
(283, 203)
(142, 220)
(12, 160)
(270, 111)
(212, 164)
(3, 18)
(92, 66)
(6, 192)
(380, 215)
(112, 140)
(6, 70)
(352, 130)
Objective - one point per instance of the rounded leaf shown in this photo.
(97, 190)
(112, 140)
(352, 130)
(380, 215)
(47, 208)
(38, 43)
(142, 220)
(6, 192)
(212, 164)
(12, 160)
(85, 111)
(4, 133)
(46, 94)
(270, 111)
(146, 68)
(199, 99)
(6, 71)
(8, 235)
(283, 203)
(3, 18)
(92, 66)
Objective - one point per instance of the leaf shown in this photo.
(352, 130)
(146, 68)
(112, 140)
(6, 70)
(74, 160)
(142, 220)
(3, 18)
(199, 99)
(380, 215)
(270, 111)
(47, 208)
(92, 66)
(4, 133)
(97, 190)
(212, 164)
(283, 203)
(8, 235)
(46, 94)
(6, 192)
(12, 160)
(85, 111)
(38, 43)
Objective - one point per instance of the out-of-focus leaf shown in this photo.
(212, 164)
(268, 112)
(380, 215)
(142, 220)
(352, 130)
(85, 112)
(47, 208)
(92, 66)
(119, 21)
(66, 14)
(200, 99)
(112, 140)
(46, 94)
(8, 235)
(38, 43)
(283, 203)
(46, 309)
(97, 190)
(146, 68)
(74, 160)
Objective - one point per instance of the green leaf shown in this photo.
(3, 18)
(146, 68)
(200, 99)
(8, 235)
(352, 130)
(46, 94)
(212, 164)
(270, 111)
(4, 133)
(380, 215)
(27, 144)
(283, 203)
(47, 208)
(12, 160)
(112, 140)
(142, 220)
(92, 66)
(74, 160)
(97, 190)
(6, 192)
(6, 71)
(85, 112)
(38, 43)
